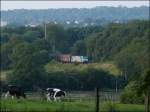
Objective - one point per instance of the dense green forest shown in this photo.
(77, 17)
(26, 51)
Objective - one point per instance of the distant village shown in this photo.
(34, 24)
(68, 23)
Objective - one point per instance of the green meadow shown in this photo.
(8, 105)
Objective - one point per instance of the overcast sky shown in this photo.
(5, 5)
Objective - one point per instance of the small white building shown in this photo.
(68, 22)
(76, 22)
(3, 23)
(55, 22)
(31, 25)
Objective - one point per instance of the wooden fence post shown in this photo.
(147, 102)
(97, 100)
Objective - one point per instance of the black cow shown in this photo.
(15, 91)
(55, 94)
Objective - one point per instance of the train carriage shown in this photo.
(79, 59)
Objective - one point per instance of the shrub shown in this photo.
(130, 95)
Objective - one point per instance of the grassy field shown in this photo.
(110, 67)
(3, 74)
(41, 106)
(117, 107)
(76, 106)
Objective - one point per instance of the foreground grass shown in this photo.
(43, 106)
(130, 108)
(66, 106)
(117, 107)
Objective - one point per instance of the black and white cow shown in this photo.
(55, 94)
(15, 91)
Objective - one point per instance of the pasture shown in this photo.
(107, 66)
(81, 102)
(65, 106)
(56, 66)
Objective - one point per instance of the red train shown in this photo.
(67, 58)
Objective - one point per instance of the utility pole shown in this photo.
(45, 30)
(54, 48)
(97, 100)
(116, 84)
(147, 101)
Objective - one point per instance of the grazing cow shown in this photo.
(15, 91)
(55, 94)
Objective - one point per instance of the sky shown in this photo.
(10, 5)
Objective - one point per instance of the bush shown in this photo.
(130, 95)
(83, 80)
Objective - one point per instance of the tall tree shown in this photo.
(79, 48)
(28, 65)
(57, 38)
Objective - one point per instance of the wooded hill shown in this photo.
(26, 52)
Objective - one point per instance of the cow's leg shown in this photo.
(23, 95)
(48, 97)
(55, 99)
(59, 99)
(17, 96)
(7, 94)
(54, 96)
(12, 97)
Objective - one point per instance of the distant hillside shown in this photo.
(83, 16)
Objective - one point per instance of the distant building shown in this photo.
(68, 22)
(76, 22)
(55, 22)
(85, 24)
(3, 23)
(31, 25)
(116, 21)
(92, 23)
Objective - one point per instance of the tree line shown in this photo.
(26, 51)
